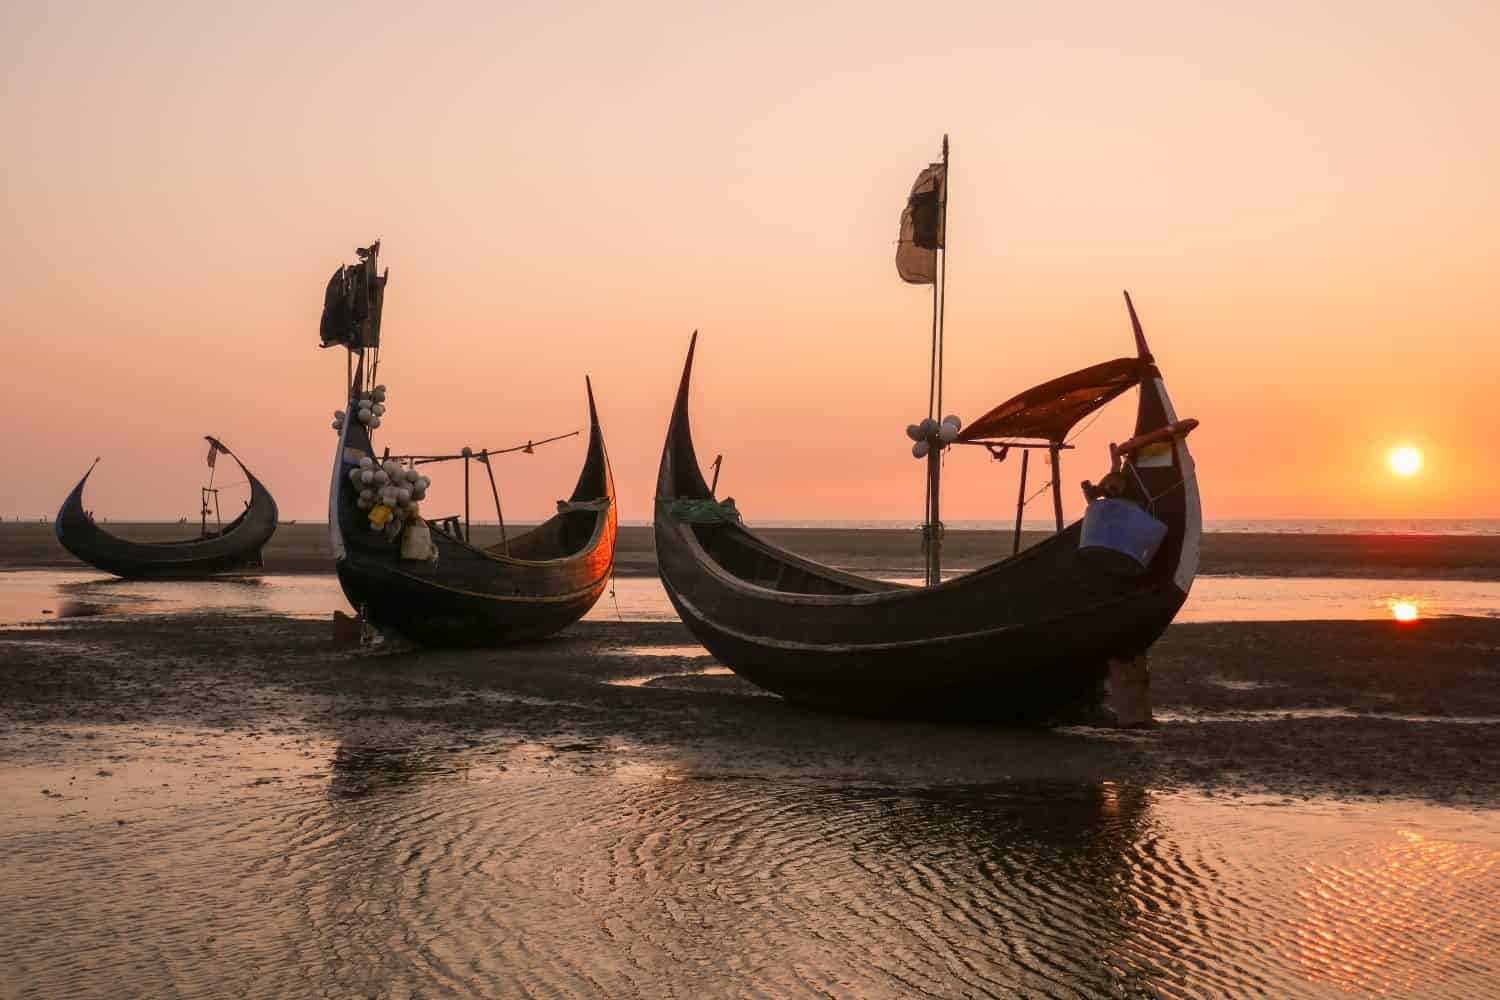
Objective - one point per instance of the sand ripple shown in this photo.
(576, 870)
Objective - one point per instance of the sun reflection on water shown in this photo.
(1387, 920)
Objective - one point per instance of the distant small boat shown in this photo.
(219, 548)
(420, 576)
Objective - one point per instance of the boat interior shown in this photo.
(558, 537)
(743, 555)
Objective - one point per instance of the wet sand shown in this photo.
(1345, 709)
(303, 548)
(220, 803)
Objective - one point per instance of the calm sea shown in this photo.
(37, 596)
(1282, 526)
(1311, 526)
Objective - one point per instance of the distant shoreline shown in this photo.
(303, 548)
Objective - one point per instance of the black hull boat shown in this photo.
(1020, 639)
(436, 588)
(471, 596)
(234, 547)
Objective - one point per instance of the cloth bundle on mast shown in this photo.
(922, 226)
(352, 303)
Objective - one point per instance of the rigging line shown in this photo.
(932, 364)
(426, 459)
(1090, 422)
(933, 371)
(1175, 486)
(1045, 487)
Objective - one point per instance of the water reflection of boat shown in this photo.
(358, 770)
(421, 576)
(219, 548)
(1018, 638)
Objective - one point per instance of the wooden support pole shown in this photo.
(466, 495)
(499, 515)
(934, 517)
(1130, 692)
(1057, 485)
(1021, 501)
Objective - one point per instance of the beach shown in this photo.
(1312, 689)
(304, 548)
(610, 811)
(1345, 709)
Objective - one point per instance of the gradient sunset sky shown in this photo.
(1301, 198)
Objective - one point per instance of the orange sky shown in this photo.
(1302, 201)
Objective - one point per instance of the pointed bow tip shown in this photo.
(1142, 351)
(687, 365)
(588, 389)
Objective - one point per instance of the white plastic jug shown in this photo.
(416, 542)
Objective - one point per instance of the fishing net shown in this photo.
(706, 511)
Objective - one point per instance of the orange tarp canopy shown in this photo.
(1048, 411)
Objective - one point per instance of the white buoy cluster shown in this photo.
(368, 411)
(929, 432)
(388, 490)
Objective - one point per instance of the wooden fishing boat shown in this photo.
(1018, 639)
(421, 577)
(219, 548)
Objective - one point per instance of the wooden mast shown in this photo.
(933, 530)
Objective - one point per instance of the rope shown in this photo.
(1045, 487)
(475, 452)
(1087, 424)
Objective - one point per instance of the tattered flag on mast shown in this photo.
(352, 303)
(922, 226)
(214, 448)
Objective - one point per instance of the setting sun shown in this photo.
(1406, 461)
(1404, 611)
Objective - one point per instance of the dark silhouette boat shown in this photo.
(219, 548)
(1020, 639)
(423, 578)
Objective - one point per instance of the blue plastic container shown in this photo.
(1119, 537)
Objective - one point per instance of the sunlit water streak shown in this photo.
(1274, 526)
(312, 866)
(26, 595)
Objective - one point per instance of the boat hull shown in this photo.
(435, 614)
(468, 596)
(952, 652)
(1027, 638)
(237, 549)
